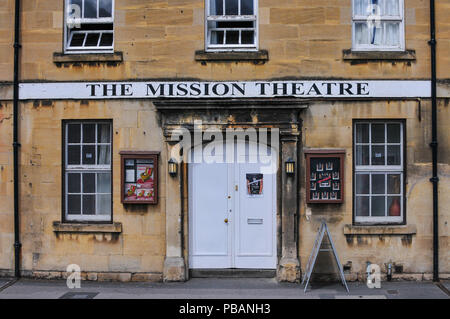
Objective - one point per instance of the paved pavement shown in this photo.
(207, 288)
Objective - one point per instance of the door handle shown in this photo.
(226, 220)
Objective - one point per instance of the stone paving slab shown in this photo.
(209, 288)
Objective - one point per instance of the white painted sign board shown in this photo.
(238, 89)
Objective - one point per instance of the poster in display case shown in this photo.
(139, 180)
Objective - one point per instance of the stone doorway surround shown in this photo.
(283, 114)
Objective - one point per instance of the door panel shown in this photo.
(210, 247)
(256, 219)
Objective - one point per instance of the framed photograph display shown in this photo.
(325, 176)
(139, 177)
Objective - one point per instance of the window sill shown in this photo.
(114, 228)
(373, 56)
(351, 230)
(257, 57)
(87, 58)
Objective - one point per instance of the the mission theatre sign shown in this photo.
(238, 89)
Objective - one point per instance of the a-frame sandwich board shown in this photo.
(315, 251)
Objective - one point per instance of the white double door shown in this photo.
(232, 216)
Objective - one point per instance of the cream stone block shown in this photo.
(314, 15)
(198, 17)
(278, 31)
(264, 15)
(152, 263)
(124, 263)
(58, 19)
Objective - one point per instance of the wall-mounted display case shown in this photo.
(325, 176)
(139, 177)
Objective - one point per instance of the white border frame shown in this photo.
(86, 169)
(379, 169)
(84, 50)
(232, 47)
(365, 48)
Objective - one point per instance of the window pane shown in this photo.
(247, 37)
(73, 133)
(73, 154)
(104, 183)
(232, 37)
(394, 205)
(105, 7)
(393, 133)
(375, 34)
(392, 33)
(88, 183)
(217, 37)
(92, 39)
(104, 155)
(361, 33)
(216, 7)
(393, 184)
(106, 40)
(88, 155)
(103, 204)
(88, 133)
(360, 7)
(378, 206)
(247, 7)
(378, 133)
(74, 183)
(362, 133)
(74, 204)
(391, 8)
(103, 133)
(362, 183)
(77, 40)
(231, 7)
(90, 10)
(378, 186)
(378, 155)
(88, 204)
(362, 155)
(393, 155)
(362, 205)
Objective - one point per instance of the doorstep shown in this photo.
(232, 273)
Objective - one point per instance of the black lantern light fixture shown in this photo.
(290, 166)
(173, 167)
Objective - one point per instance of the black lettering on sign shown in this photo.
(153, 91)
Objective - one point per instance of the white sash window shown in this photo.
(379, 172)
(231, 25)
(87, 171)
(378, 25)
(89, 26)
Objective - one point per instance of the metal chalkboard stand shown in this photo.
(315, 251)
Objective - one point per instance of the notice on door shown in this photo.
(254, 184)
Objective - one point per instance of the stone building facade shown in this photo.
(380, 89)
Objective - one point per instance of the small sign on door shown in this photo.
(254, 184)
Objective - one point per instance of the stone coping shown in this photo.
(257, 57)
(114, 228)
(350, 230)
(367, 56)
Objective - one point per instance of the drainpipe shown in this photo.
(16, 145)
(434, 144)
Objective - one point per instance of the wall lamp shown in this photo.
(173, 167)
(290, 166)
